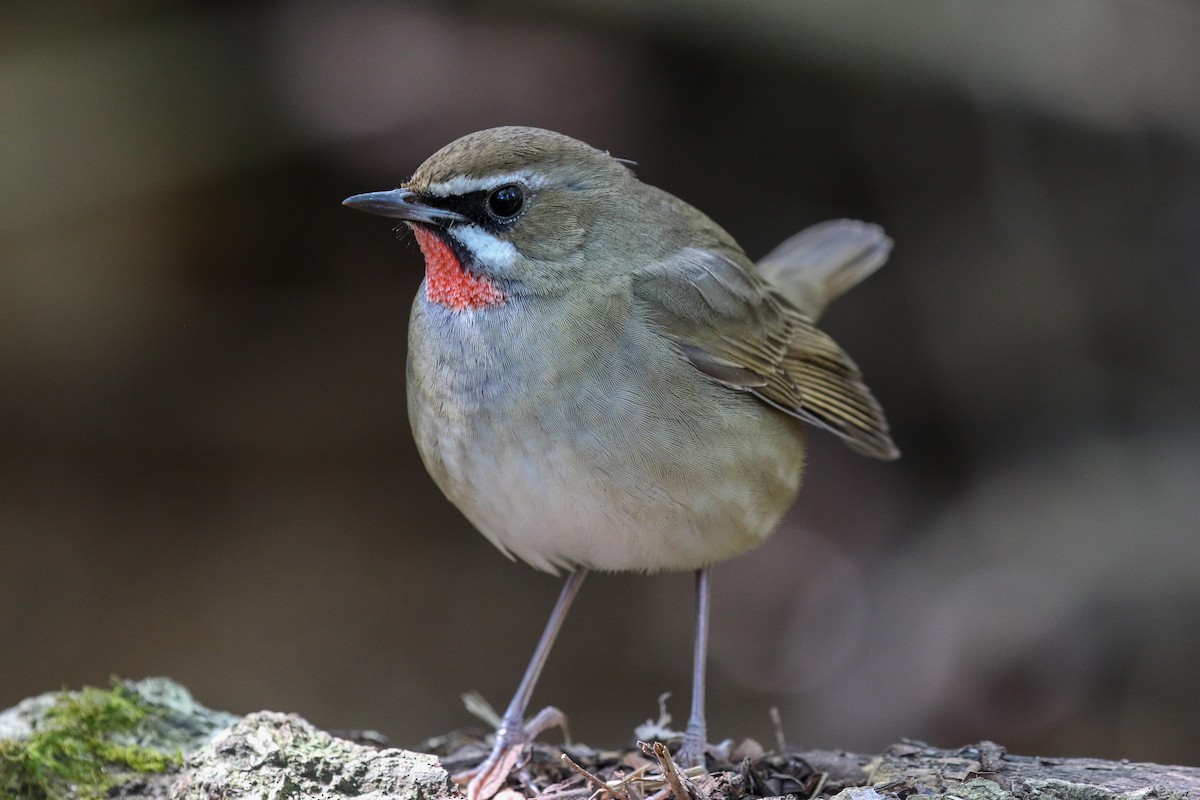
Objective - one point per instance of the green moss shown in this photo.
(82, 747)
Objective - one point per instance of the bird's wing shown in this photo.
(735, 328)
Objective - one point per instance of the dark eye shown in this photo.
(505, 202)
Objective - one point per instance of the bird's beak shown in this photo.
(402, 204)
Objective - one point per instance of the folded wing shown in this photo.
(736, 328)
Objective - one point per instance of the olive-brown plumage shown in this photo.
(598, 376)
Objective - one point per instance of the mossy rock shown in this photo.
(151, 741)
(82, 745)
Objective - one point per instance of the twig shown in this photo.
(669, 770)
(582, 793)
(816, 792)
(777, 718)
(594, 780)
(636, 775)
(479, 707)
(633, 784)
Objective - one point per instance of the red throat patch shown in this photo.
(447, 282)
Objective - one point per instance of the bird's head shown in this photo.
(517, 210)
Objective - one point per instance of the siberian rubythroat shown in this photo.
(599, 378)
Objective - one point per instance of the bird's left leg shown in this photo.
(695, 739)
(514, 731)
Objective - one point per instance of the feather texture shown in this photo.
(735, 327)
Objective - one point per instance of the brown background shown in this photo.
(206, 467)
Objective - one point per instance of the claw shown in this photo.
(549, 717)
(485, 780)
(489, 777)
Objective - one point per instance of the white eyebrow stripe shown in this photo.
(462, 184)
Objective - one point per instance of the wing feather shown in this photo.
(736, 328)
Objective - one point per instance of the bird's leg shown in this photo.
(514, 732)
(695, 739)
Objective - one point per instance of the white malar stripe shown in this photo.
(462, 184)
(487, 249)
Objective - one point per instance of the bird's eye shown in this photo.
(505, 202)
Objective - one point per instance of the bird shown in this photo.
(600, 378)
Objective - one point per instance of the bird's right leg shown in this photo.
(514, 731)
(695, 740)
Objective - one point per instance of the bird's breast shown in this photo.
(579, 439)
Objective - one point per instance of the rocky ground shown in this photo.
(151, 739)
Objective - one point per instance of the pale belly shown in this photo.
(560, 470)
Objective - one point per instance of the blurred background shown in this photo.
(205, 466)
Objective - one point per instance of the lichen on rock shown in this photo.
(273, 755)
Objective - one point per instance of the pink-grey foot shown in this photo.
(512, 737)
